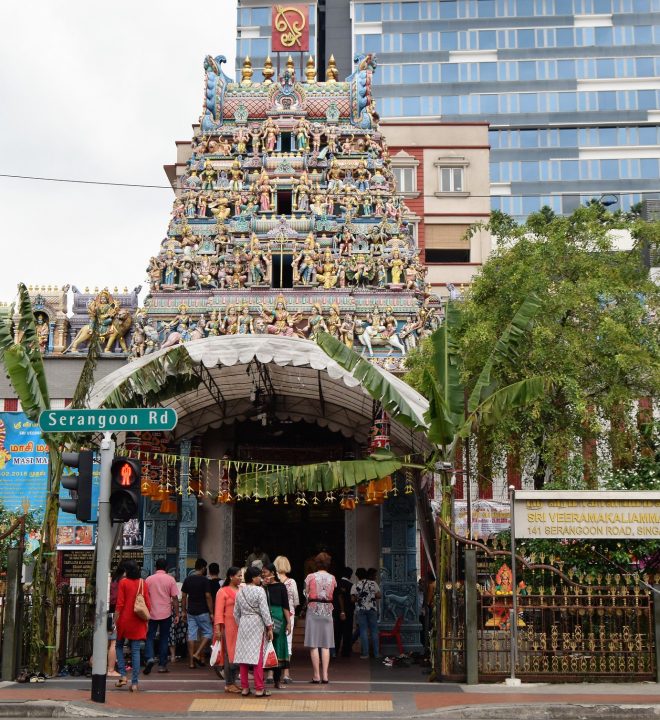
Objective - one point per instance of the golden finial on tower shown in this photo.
(331, 74)
(289, 65)
(268, 71)
(247, 72)
(310, 70)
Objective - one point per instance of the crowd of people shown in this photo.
(251, 615)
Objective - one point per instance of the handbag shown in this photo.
(216, 653)
(270, 657)
(140, 606)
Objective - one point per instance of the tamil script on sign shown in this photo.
(596, 515)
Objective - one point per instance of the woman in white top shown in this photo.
(283, 567)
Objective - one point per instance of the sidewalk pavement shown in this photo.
(357, 689)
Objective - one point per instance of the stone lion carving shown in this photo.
(121, 324)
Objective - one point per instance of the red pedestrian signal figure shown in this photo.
(125, 489)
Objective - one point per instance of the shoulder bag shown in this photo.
(140, 606)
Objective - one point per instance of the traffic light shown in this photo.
(80, 503)
(125, 489)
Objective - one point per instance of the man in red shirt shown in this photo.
(164, 596)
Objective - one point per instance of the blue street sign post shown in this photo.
(102, 420)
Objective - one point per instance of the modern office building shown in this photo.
(571, 89)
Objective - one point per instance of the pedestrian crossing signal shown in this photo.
(125, 489)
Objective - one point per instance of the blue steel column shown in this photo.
(188, 522)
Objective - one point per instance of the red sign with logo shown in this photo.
(290, 28)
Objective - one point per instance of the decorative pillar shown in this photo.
(188, 522)
(226, 551)
(399, 569)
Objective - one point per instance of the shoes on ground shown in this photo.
(148, 667)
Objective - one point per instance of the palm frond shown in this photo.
(27, 334)
(25, 381)
(506, 348)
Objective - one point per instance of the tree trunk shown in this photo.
(622, 444)
(485, 466)
(43, 638)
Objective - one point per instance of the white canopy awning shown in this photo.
(208, 383)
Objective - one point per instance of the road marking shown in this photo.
(290, 706)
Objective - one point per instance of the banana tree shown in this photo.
(23, 363)
(450, 419)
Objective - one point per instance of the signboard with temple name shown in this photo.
(602, 515)
(290, 28)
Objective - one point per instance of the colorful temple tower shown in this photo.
(286, 221)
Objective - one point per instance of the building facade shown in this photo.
(570, 89)
(441, 170)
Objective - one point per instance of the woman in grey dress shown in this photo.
(319, 629)
(255, 628)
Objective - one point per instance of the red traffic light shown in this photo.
(126, 474)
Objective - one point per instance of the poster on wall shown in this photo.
(488, 518)
(24, 483)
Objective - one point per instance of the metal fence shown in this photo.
(580, 630)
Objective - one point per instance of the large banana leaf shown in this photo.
(506, 348)
(25, 381)
(27, 333)
(373, 381)
(446, 358)
(501, 402)
(442, 424)
(6, 335)
(164, 377)
(319, 477)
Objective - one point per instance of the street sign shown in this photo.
(117, 420)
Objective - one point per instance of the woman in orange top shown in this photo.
(226, 628)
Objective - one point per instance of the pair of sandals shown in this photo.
(123, 681)
(319, 682)
(262, 694)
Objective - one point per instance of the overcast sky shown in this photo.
(99, 91)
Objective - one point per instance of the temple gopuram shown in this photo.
(286, 221)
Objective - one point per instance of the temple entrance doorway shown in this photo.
(298, 532)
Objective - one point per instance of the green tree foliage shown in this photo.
(595, 337)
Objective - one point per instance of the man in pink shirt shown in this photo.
(164, 596)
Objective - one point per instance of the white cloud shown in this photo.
(92, 90)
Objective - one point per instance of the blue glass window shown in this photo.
(567, 137)
(569, 169)
(602, 6)
(410, 11)
(606, 100)
(449, 72)
(646, 100)
(487, 40)
(649, 169)
(567, 102)
(527, 70)
(525, 7)
(488, 72)
(530, 171)
(525, 38)
(411, 106)
(529, 138)
(449, 40)
(243, 16)
(261, 16)
(605, 68)
(564, 37)
(566, 69)
(648, 135)
(410, 73)
(489, 104)
(609, 169)
(528, 103)
(603, 36)
(372, 43)
(259, 47)
(449, 104)
(448, 10)
(643, 35)
(607, 136)
(410, 42)
(486, 8)
(644, 67)
(372, 12)
(564, 7)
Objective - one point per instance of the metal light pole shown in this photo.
(103, 555)
(513, 618)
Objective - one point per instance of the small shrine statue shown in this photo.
(214, 326)
(265, 190)
(245, 326)
(315, 323)
(43, 331)
(397, 265)
(236, 176)
(328, 274)
(301, 131)
(333, 322)
(502, 591)
(280, 321)
(347, 330)
(270, 133)
(102, 310)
